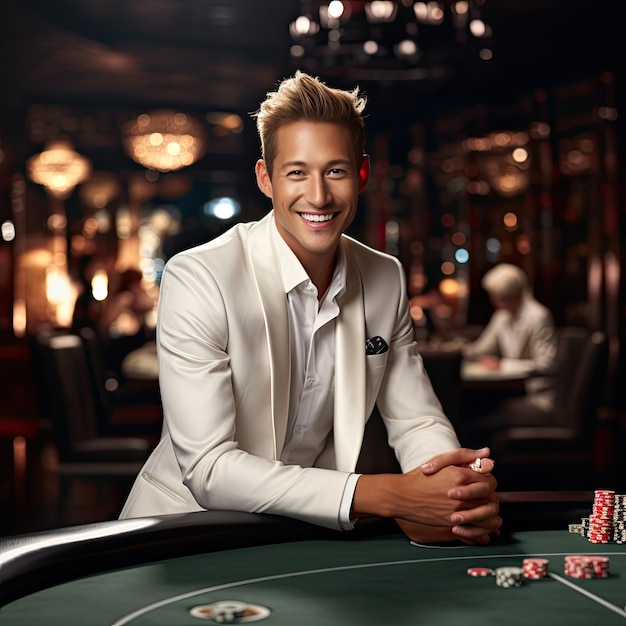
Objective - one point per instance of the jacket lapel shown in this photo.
(349, 420)
(267, 275)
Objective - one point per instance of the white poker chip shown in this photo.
(230, 612)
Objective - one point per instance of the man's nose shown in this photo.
(318, 193)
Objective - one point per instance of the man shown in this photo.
(520, 331)
(275, 341)
(520, 335)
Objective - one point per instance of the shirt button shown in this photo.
(310, 381)
(299, 429)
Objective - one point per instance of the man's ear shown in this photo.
(263, 179)
(364, 172)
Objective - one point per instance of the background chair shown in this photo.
(121, 409)
(66, 398)
(554, 446)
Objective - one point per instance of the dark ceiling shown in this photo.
(226, 54)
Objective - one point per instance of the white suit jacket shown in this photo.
(224, 367)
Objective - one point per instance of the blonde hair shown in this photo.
(505, 281)
(303, 97)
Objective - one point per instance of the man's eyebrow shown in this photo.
(332, 163)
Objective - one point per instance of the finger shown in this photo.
(470, 539)
(476, 490)
(460, 456)
(485, 516)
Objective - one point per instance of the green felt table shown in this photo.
(376, 580)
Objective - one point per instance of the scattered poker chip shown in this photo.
(480, 571)
(230, 612)
(535, 568)
(586, 566)
(509, 577)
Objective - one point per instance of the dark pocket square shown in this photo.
(375, 345)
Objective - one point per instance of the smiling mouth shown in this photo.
(316, 217)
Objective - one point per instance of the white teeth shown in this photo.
(317, 218)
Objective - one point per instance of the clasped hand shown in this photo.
(446, 500)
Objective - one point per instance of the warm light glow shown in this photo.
(406, 48)
(510, 221)
(303, 26)
(478, 28)
(8, 231)
(417, 313)
(58, 168)
(458, 238)
(449, 287)
(19, 317)
(370, 47)
(520, 155)
(164, 140)
(335, 9)
(380, 11)
(429, 12)
(461, 7)
(523, 245)
(100, 285)
(447, 268)
(58, 285)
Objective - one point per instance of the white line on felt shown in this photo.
(608, 605)
(126, 619)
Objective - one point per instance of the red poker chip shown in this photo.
(480, 571)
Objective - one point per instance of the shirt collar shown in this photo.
(292, 272)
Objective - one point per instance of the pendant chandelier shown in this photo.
(59, 168)
(164, 140)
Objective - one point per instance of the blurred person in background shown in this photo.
(520, 331)
(520, 339)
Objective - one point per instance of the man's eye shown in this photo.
(295, 173)
(337, 171)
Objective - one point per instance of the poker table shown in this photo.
(175, 570)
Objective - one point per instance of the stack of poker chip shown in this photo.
(535, 568)
(578, 566)
(509, 577)
(619, 518)
(607, 521)
(601, 519)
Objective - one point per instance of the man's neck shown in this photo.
(320, 272)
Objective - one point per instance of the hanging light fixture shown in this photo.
(59, 168)
(164, 140)
(405, 39)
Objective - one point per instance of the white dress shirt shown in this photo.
(312, 345)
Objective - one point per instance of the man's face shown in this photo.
(509, 303)
(314, 187)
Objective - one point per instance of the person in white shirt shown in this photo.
(520, 332)
(519, 338)
(275, 341)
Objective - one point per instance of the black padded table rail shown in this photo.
(37, 560)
